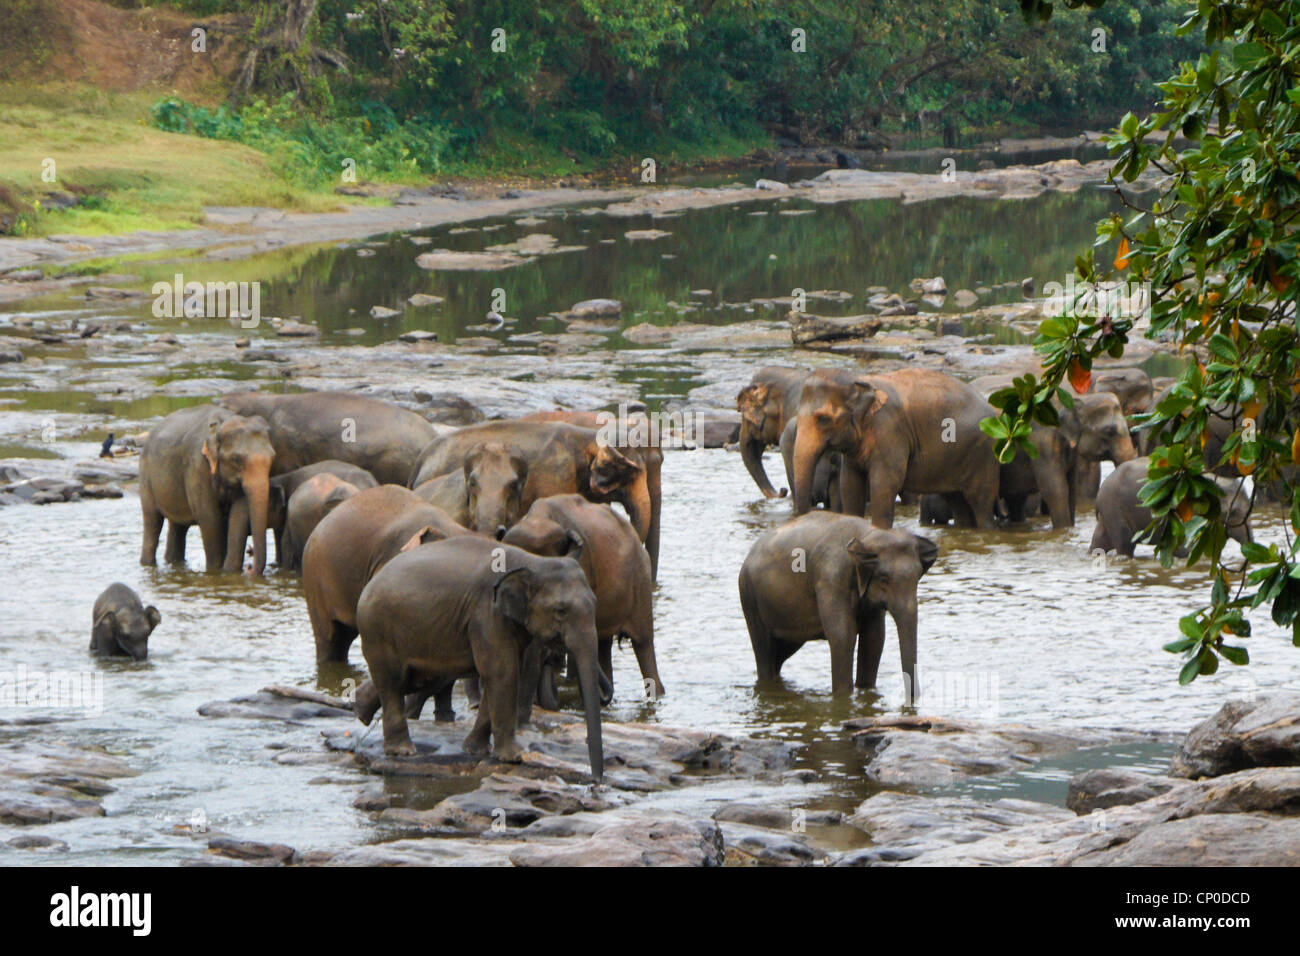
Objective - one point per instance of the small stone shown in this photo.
(419, 335)
(420, 299)
(383, 312)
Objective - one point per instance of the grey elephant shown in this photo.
(122, 624)
(195, 465)
(1099, 431)
(1121, 515)
(833, 577)
(486, 493)
(310, 503)
(466, 606)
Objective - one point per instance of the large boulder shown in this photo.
(1264, 732)
(814, 330)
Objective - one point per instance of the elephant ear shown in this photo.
(865, 562)
(340, 494)
(153, 616)
(927, 551)
(511, 594)
(612, 469)
(867, 399)
(423, 536)
(574, 543)
(211, 447)
(750, 403)
(103, 635)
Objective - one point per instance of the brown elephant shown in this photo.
(831, 577)
(486, 494)
(1097, 428)
(282, 489)
(350, 545)
(562, 459)
(644, 452)
(311, 502)
(767, 405)
(913, 430)
(1132, 386)
(617, 568)
(471, 606)
(311, 427)
(195, 464)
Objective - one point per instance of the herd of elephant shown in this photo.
(489, 553)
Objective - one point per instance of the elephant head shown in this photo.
(494, 482)
(549, 598)
(760, 410)
(125, 629)
(836, 411)
(239, 455)
(888, 564)
(621, 474)
(1097, 428)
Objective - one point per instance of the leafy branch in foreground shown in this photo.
(1216, 250)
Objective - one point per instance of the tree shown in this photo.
(1218, 247)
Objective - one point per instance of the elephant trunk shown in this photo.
(904, 615)
(636, 499)
(751, 453)
(256, 483)
(1123, 450)
(808, 447)
(589, 682)
(645, 659)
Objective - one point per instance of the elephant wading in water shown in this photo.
(195, 464)
(832, 577)
(562, 459)
(913, 430)
(486, 494)
(470, 606)
(1121, 515)
(767, 405)
(1097, 428)
(617, 569)
(348, 548)
(312, 427)
(122, 624)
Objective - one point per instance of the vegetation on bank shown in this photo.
(411, 89)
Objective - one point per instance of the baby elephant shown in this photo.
(122, 624)
(833, 576)
(1120, 515)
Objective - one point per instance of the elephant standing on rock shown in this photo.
(469, 606)
(195, 464)
(311, 427)
(1121, 514)
(486, 494)
(914, 430)
(122, 624)
(348, 548)
(562, 459)
(617, 569)
(832, 577)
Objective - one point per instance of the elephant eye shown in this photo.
(561, 610)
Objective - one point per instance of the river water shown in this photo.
(1015, 625)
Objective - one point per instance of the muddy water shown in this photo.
(1015, 626)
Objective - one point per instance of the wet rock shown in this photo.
(1262, 732)
(771, 185)
(418, 336)
(295, 330)
(812, 330)
(647, 334)
(374, 799)
(417, 852)
(41, 491)
(775, 817)
(446, 408)
(420, 300)
(751, 846)
(250, 850)
(449, 261)
(504, 801)
(535, 244)
(592, 309)
(279, 703)
(24, 275)
(383, 312)
(111, 292)
(364, 253)
(668, 841)
(10, 355)
(964, 298)
(35, 842)
(46, 783)
(906, 308)
(1101, 789)
(264, 355)
(934, 286)
(1027, 287)
(1219, 840)
(636, 235)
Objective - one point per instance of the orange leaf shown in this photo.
(1295, 447)
(1121, 257)
(1080, 378)
(1185, 509)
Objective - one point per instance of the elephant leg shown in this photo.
(388, 680)
(1101, 539)
(643, 644)
(759, 636)
(605, 649)
(982, 497)
(853, 490)
(533, 674)
(962, 516)
(884, 489)
(548, 690)
(473, 692)
(839, 625)
(871, 644)
(237, 531)
(1015, 508)
(213, 530)
(476, 742)
(415, 702)
(176, 534)
(782, 651)
(501, 699)
(153, 524)
(1088, 478)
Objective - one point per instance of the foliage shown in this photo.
(1219, 248)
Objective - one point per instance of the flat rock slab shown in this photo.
(45, 783)
(288, 704)
(449, 261)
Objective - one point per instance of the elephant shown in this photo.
(1132, 386)
(1097, 428)
(486, 494)
(348, 548)
(833, 576)
(1121, 515)
(310, 503)
(195, 464)
(644, 452)
(311, 427)
(282, 489)
(122, 624)
(767, 405)
(617, 568)
(826, 476)
(913, 430)
(563, 459)
(471, 605)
